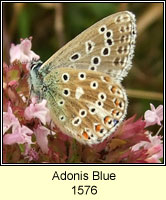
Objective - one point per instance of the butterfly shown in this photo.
(82, 81)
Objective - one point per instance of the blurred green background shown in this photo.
(53, 24)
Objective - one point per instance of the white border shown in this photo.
(72, 164)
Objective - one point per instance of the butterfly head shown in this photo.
(36, 79)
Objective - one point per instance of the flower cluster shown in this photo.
(29, 134)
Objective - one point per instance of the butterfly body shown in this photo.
(82, 81)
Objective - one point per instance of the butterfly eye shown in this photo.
(66, 92)
(89, 46)
(96, 60)
(94, 85)
(119, 103)
(108, 34)
(100, 129)
(116, 91)
(35, 64)
(102, 96)
(108, 121)
(75, 57)
(85, 135)
(92, 110)
(105, 51)
(76, 121)
(109, 42)
(99, 103)
(61, 102)
(93, 68)
(44, 88)
(102, 29)
(62, 118)
(82, 76)
(82, 113)
(103, 130)
(116, 114)
(65, 77)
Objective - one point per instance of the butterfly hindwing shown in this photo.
(84, 104)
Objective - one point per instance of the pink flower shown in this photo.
(13, 83)
(19, 135)
(154, 116)
(22, 52)
(38, 110)
(41, 137)
(30, 153)
(9, 120)
(154, 148)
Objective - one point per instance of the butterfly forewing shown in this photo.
(86, 105)
(107, 46)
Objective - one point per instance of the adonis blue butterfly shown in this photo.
(82, 81)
